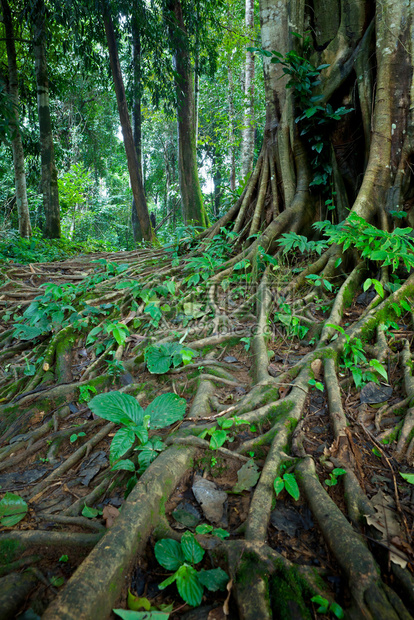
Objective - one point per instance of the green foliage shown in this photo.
(288, 482)
(381, 246)
(219, 532)
(76, 436)
(12, 509)
(91, 513)
(292, 241)
(85, 393)
(333, 476)
(291, 323)
(38, 250)
(181, 558)
(160, 357)
(317, 384)
(325, 607)
(125, 410)
(408, 477)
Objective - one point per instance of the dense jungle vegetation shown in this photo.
(206, 309)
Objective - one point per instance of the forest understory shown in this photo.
(267, 363)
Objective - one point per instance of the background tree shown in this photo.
(47, 152)
(25, 229)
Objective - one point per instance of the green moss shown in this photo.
(287, 591)
(10, 550)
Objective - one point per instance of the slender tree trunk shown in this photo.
(193, 208)
(232, 137)
(49, 173)
(25, 228)
(248, 120)
(133, 165)
(136, 118)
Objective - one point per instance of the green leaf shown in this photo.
(167, 582)
(279, 485)
(12, 509)
(127, 614)
(165, 410)
(123, 440)
(136, 603)
(117, 407)
(336, 610)
(220, 533)
(188, 585)
(218, 438)
(193, 551)
(124, 464)
(158, 357)
(213, 579)
(247, 476)
(89, 513)
(323, 602)
(376, 365)
(291, 485)
(338, 471)
(204, 528)
(169, 553)
(57, 582)
(408, 477)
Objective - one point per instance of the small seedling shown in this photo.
(86, 392)
(289, 483)
(63, 558)
(76, 436)
(317, 384)
(181, 558)
(204, 528)
(333, 476)
(325, 606)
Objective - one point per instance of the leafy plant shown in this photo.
(160, 357)
(12, 509)
(291, 323)
(408, 477)
(76, 436)
(125, 410)
(85, 393)
(181, 558)
(90, 513)
(288, 482)
(333, 476)
(326, 607)
(317, 384)
(219, 532)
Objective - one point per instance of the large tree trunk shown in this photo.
(25, 228)
(136, 117)
(193, 208)
(232, 136)
(134, 169)
(49, 173)
(248, 118)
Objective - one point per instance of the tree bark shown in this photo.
(47, 152)
(25, 228)
(133, 164)
(192, 200)
(232, 137)
(137, 121)
(248, 118)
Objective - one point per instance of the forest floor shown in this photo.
(55, 451)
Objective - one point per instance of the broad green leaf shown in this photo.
(158, 357)
(408, 477)
(291, 485)
(57, 582)
(89, 513)
(279, 485)
(376, 365)
(169, 553)
(220, 533)
(165, 410)
(117, 407)
(124, 464)
(336, 610)
(204, 528)
(247, 476)
(338, 471)
(123, 440)
(136, 603)
(188, 585)
(127, 614)
(193, 551)
(214, 579)
(12, 509)
(218, 438)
